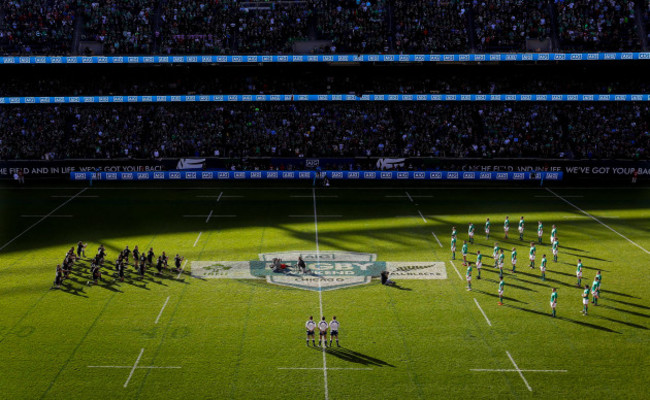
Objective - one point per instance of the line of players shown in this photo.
(323, 326)
(499, 260)
(140, 263)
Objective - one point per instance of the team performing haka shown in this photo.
(140, 263)
(323, 328)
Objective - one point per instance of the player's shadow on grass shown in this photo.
(620, 294)
(628, 304)
(591, 258)
(513, 285)
(621, 322)
(398, 287)
(583, 323)
(355, 357)
(585, 267)
(638, 314)
(70, 289)
(560, 273)
(504, 297)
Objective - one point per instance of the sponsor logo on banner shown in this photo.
(283, 59)
(369, 175)
(192, 59)
(256, 175)
(164, 60)
(592, 56)
(402, 175)
(328, 58)
(543, 57)
(80, 176)
(556, 97)
(627, 56)
(619, 97)
(479, 57)
(485, 175)
(390, 163)
(419, 175)
(518, 176)
(239, 175)
(587, 97)
(304, 175)
(288, 175)
(644, 56)
(74, 99)
(174, 175)
(511, 57)
(207, 175)
(222, 59)
(178, 59)
(158, 175)
(111, 176)
(495, 57)
(463, 57)
(56, 60)
(147, 59)
(502, 176)
(127, 176)
(610, 56)
(465, 97)
(469, 175)
(353, 175)
(404, 58)
(40, 60)
(312, 162)
(527, 57)
(224, 175)
(389, 58)
(190, 163)
(480, 97)
(337, 175)
(637, 97)
(435, 175)
(325, 270)
(272, 175)
(44, 100)
(419, 57)
(552, 176)
(143, 175)
(452, 175)
(386, 175)
(190, 175)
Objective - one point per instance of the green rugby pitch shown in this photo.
(182, 337)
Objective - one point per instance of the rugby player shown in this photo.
(310, 325)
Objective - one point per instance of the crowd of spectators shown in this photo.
(345, 26)
(489, 130)
(37, 26)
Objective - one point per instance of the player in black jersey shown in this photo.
(136, 255)
(81, 249)
(150, 256)
(126, 252)
(141, 268)
(120, 270)
(165, 259)
(160, 264)
(177, 263)
(101, 253)
(301, 265)
(95, 272)
(59, 276)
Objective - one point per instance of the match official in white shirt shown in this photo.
(334, 331)
(322, 326)
(311, 325)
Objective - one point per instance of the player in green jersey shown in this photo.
(479, 263)
(470, 232)
(531, 255)
(542, 267)
(506, 227)
(600, 281)
(487, 229)
(553, 301)
(501, 262)
(579, 272)
(454, 232)
(555, 247)
(513, 260)
(595, 291)
(468, 277)
(540, 231)
(553, 234)
(453, 247)
(501, 286)
(463, 251)
(495, 254)
(585, 300)
(521, 228)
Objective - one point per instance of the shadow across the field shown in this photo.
(355, 357)
(620, 294)
(586, 267)
(622, 322)
(548, 315)
(588, 257)
(628, 304)
(397, 286)
(513, 285)
(504, 297)
(638, 314)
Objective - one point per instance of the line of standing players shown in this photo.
(141, 261)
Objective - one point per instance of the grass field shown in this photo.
(244, 339)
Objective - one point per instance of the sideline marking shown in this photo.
(162, 309)
(595, 219)
(356, 369)
(320, 291)
(42, 219)
(197, 239)
(182, 268)
(409, 196)
(209, 215)
(482, 312)
(437, 240)
(219, 198)
(457, 273)
(46, 216)
(134, 367)
(518, 370)
(85, 197)
(423, 219)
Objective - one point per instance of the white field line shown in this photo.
(457, 273)
(320, 216)
(182, 268)
(46, 216)
(134, 367)
(320, 291)
(437, 240)
(595, 219)
(518, 370)
(409, 196)
(130, 366)
(482, 312)
(197, 239)
(42, 219)
(219, 198)
(80, 197)
(578, 196)
(423, 219)
(356, 369)
(162, 309)
(209, 215)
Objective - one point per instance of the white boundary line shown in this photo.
(47, 216)
(437, 240)
(162, 309)
(320, 291)
(197, 239)
(42, 219)
(209, 215)
(134, 367)
(182, 268)
(482, 312)
(518, 370)
(458, 273)
(409, 196)
(84, 197)
(595, 219)
(219, 198)
(423, 219)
